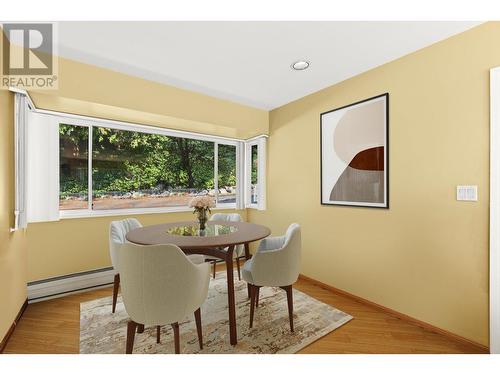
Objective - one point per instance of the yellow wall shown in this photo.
(13, 268)
(427, 256)
(94, 91)
(75, 245)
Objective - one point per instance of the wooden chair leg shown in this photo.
(252, 303)
(116, 285)
(197, 318)
(158, 332)
(257, 293)
(140, 328)
(131, 327)
(238, 267)
(177, 339)
(215, 265)
(289, 297)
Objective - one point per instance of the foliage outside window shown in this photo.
(137, 170)
(227, 173)
(254, 175)
(73, 167)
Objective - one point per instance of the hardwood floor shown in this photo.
(53, 327)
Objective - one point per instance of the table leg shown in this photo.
(247, 256)
(247, 251)
(233, 335)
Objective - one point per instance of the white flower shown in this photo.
(204, 201)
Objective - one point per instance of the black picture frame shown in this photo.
(386, 205)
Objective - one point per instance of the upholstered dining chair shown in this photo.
(239, 249)
(160, 286)
(117, 232)
(276, 263)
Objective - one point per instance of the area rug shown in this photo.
(104, 332)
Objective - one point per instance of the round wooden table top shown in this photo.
(186, 234)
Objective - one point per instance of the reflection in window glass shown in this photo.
(73, 167)
(255, 165)
(133, 169)
(227, 173)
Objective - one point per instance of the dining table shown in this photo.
(217, 240)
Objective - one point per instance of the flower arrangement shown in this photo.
(201, 205)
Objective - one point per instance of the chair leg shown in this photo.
(215, 265)
(257, 293)
(238, 267)
(140, 328)
(116, 285)
(197, 318)
(131, 327)
(252, 303)
(158, 332)
(177, 338)
(289, 297)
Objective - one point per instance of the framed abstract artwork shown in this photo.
(355, 154)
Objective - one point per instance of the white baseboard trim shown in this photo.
(56, 287)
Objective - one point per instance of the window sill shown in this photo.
(255, 206)
(79, 214)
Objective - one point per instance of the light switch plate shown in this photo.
(467, 193)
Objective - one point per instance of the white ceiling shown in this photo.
(248, 62)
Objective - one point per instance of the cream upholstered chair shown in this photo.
(239, 249)
(161, 285)
(117, 232)
(276, 263)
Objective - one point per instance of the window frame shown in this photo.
(242, 161)
(91, 123)
(261, 143)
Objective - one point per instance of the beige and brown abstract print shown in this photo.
(358, 142)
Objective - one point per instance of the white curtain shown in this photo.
(20, 111)
(42, 167)
(240, 178)
(262, 150)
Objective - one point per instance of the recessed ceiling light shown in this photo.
(300, 65)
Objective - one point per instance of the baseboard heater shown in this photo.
(55, 287)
